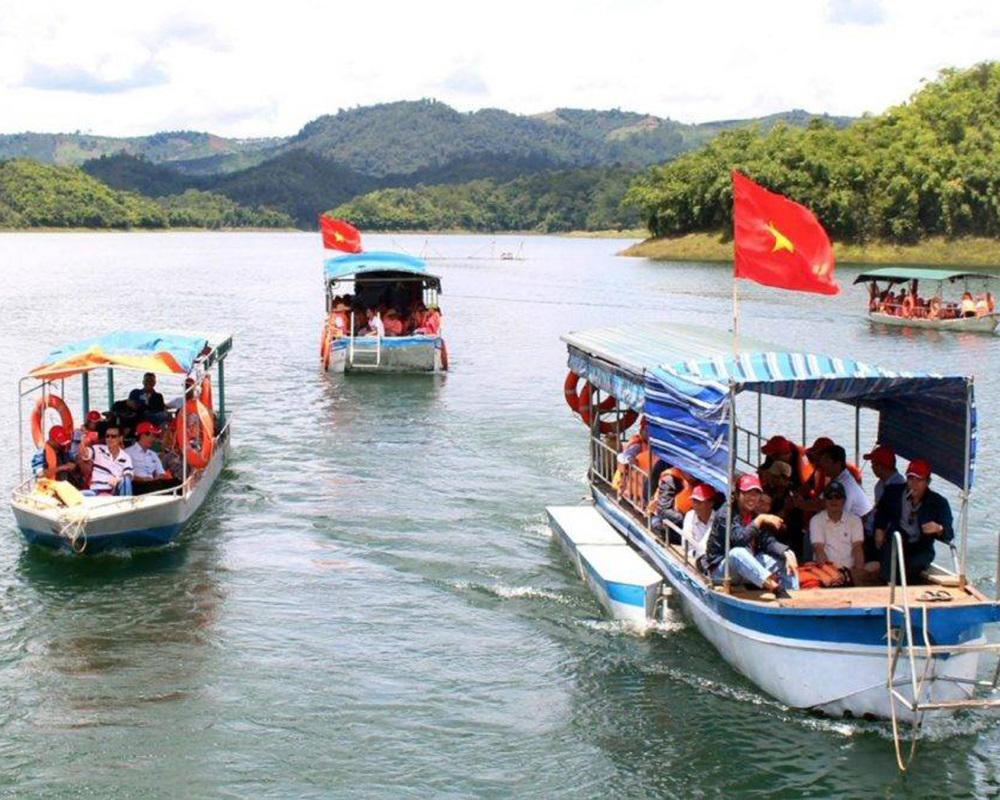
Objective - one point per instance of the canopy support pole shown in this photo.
(805, 441)
(85, 386)
(731, 470)
(222, 395)
(964, 513)
(111, 388)
(857, 435)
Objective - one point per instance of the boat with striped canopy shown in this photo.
(704, 406)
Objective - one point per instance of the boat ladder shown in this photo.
(364, 352)
(921, 657)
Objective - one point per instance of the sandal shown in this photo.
(935, 596)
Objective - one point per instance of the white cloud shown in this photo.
(242, 70)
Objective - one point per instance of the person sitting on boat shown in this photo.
(634, 463)
(431, 324)
(373, 323)
(778, 490)
(698, 521)
(111, 470)
(670, 503)
(755, 555)
(339, 320)
(968, 305)
(54, 461)
(833, 463)
(921, 515)
(982, 305)
(148, 401)
(170, 456)
(780, 449)
(934, 308)
(836, 535)
(146, 464)
(393, 323)
(883, 463)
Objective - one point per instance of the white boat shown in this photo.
(63, 520)
(941, 312)
(828, 650)
(358, 282)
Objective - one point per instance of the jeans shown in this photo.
(754, 568)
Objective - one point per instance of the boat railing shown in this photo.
(353, 350)
(900, 643)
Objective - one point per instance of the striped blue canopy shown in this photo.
(680, 377)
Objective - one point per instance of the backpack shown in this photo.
(823, 576)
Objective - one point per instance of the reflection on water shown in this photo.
(371, 604)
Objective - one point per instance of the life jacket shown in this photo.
(823, 576)
(339, 323)
(682, 500)
(638, 471)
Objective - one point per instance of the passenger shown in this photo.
(393, 324)
(780, 449)
(92, 423)
(111, 466)
(55, 462)
(698, 521)
(415, 319)
(836, 535)
(968, 305)
(833, 463)
(146, 464)
(634, 464)
(170, 456)
(919, 514)
(338, 321)
(883, 462)
(148, 401)
(125, 415)
(776, 481)
(431, 325)
(982, 305)
(669, 504)
(934, 308)
(755, 555)
(813, 487)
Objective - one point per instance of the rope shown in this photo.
(74, 527)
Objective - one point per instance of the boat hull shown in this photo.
(144, 521)
(984, 324)
(830, 660)
(396, 354)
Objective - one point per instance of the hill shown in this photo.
(927, 167)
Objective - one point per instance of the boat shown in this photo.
(51, 514)
(828, 650)
(935, 310)
(360, 284)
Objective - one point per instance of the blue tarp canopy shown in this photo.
(391, 264)
(162, 353)
(680, 377)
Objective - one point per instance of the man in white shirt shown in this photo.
(833, 462)
(837, 536)
(112, 468)
(698, 521)
(146, 463)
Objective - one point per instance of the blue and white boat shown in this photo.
(893, 651)
(63, 520)
(357, 282)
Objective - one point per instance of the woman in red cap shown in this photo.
(921, 516)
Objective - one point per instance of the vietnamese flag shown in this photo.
(339, 235)
(779, 243)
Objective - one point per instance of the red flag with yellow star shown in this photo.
(339, 235)
(779, 243)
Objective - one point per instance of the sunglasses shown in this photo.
(112, 436)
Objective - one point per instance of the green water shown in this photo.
(371, 605)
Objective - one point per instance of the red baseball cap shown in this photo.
(57, 433)
(94, 416)
(147, 427)
(703, 492)
(749, 483)
(822, 443)
(919, 468)
(777, 446)
(881, 454)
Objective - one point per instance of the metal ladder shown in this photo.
(369, 348)
(900, 644)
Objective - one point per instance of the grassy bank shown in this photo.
(967, 252)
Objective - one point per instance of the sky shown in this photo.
(244, 69)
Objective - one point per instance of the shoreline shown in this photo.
(935, 251)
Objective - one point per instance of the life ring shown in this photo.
(206, 393)
(570, 393)
(38, 416)
(195, 458)
(324, 349)
(626, 421)
(444, 356)
(908, 305)
(682, 500)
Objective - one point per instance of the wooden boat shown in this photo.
(65, 520)
(359, 282)
(828, 650)
(941, 312)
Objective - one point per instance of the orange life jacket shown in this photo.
(638, 471)
(682, 500)
(821, 576)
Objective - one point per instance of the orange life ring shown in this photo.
(206, 393)
(38, 416)
(626, 421)
(908, 305)
(195, 458)
(570, 393)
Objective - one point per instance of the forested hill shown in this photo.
(928, 167)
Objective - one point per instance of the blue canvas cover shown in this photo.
(346, 266)
(680, 378)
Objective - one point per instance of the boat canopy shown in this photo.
(904, 274)
(390, 264)
(680, 376)
(162, 353)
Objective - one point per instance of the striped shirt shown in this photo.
(107, 466)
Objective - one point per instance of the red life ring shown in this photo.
(582, 400)
(195, 458)
(206, 393)
(570, 393)
(626, 421)
(38, 416)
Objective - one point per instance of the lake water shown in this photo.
(372, 605)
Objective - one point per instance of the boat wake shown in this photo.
(624, 627)
(505, 592)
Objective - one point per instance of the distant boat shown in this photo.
(382, 315)
(53, 514)
(964, 313)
